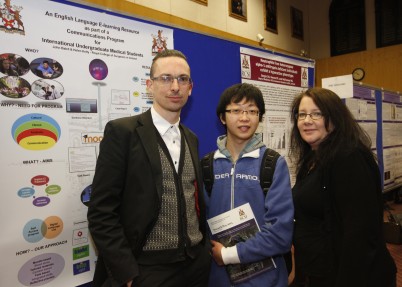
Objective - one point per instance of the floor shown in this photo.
(395, 249)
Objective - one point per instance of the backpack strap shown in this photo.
(268, 165)
(267, 170)
(208, 171)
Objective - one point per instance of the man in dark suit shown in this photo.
(146, 214)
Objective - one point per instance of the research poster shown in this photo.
(391, 139)
(280, 78)
(64, 73)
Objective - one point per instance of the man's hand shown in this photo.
(216, 252)
(129, 284)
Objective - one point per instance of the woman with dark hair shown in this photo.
(338, 234)
(7, 68)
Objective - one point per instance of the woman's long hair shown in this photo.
(345, 136)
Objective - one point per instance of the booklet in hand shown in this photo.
(234, 226)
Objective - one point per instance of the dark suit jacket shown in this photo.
(126, 195)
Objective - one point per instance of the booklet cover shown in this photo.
(234, 226)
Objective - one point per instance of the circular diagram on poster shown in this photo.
(98, 69)
(36, 229)
(36, 132)
(14, 87)
(41, 269)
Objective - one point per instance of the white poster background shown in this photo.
(280, 79)
(45, 236)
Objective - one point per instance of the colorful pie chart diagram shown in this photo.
(36, 132)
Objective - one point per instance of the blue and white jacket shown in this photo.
(238, 183)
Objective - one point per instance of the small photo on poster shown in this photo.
(81, 106)
(13, 65)
(14, 87)
(46, 68)
(47, 89)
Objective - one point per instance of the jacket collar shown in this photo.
(252, 149)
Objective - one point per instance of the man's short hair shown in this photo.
(164, 54)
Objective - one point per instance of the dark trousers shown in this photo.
(187, 273)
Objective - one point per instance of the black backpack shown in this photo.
(267, 170)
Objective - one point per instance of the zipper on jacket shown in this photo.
(232, 186)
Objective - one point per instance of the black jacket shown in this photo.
(126, 195)
(347, 219)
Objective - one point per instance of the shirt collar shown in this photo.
(161, 124)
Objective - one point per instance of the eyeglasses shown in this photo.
(182, 80)
(314, 116)
(239, 112)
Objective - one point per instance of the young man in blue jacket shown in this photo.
(236, 167)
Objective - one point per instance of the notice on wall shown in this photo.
(65, 72)
(341, 85)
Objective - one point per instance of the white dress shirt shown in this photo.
(170, 134)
